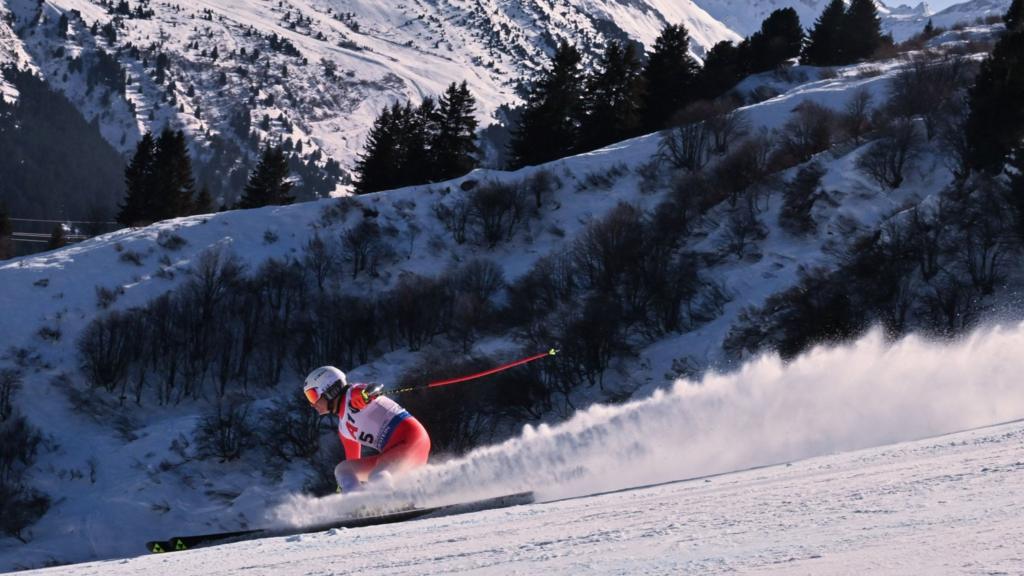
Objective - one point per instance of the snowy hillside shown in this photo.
(122, 471)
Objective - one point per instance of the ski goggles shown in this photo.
(331, 392)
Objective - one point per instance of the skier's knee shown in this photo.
(346, 477)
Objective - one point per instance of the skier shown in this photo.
(367, 418)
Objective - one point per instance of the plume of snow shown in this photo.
(831, 399)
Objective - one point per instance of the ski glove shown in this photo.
(371, 392)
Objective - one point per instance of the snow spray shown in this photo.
(831, 399)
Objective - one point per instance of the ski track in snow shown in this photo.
(947, 505)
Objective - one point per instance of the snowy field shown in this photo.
(947, 505)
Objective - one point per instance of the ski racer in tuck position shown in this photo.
(367, 418)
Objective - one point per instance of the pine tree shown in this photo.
(6, 231)
(57, 238)
(825, 40)
(174, 184)
(376, 165)
(779, 40)
(722, 70)
(550, 122)
(669, 77)
(418, 130)
(204, 202)
(137, 208)
(268, 183)
(612, 98)
(1014, 17)
(995, 124)
(861, 32)
(454, 146)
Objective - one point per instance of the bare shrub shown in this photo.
(359, 245)
(225, 432)
(107, 296)
(610, 247)
(748, 164)
(809, 131)
(455, 218)
(10, 382)
(929, 88)
(886, 160)
(540, 185)
(799, 197)
(686, 147)
(131, 257)
(290, 430)
(170, 240)
(496, 209)
(20, 505)
(856, 116)
(318, 260)
(742, 232)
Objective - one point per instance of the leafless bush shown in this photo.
(290, 430)
(359, 245)
(987, 234)
(929, 88)
(10, 382)
(747, 165)
(455, 218)
(856, 116)
(540, 185)
(799, 197)
(742, 232)
(886, 160)
(809, 131)
(610, 247)
(132, 257)
(318, 260)
(225, 432)
(686, 147)
(20, 505)
(106, 349)
(497, 209)
(170, 240)
(107, 296)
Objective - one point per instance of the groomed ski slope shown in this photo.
(942, 505)
(947, 505)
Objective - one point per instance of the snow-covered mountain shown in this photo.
(315, 71)
(905, 22)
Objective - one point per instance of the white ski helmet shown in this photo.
(326, 381)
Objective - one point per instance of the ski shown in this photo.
(180, 543)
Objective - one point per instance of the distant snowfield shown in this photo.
(948, 505)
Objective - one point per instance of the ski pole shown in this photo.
(501, 368)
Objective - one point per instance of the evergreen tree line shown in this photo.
(160, 182)
(568, 111)
(844, 35)
(428, 143)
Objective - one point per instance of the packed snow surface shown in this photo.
(940, 505)
(948, 505)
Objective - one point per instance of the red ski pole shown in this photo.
(488, 372)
